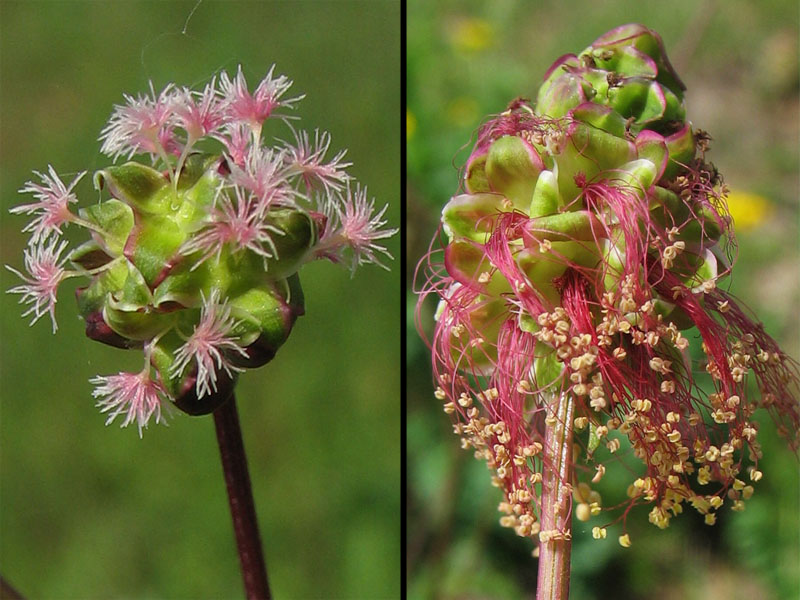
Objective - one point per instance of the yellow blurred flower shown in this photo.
(462, 111)
(748, 210)
(471, 34)
(411, 124)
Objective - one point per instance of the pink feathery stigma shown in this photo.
(52, 206)
(199, 113)
(237, 139)
(265, 176)
(208, 345)
(352, 225)
(134, 395)
(44, 265)
(141, 125)
(308, 161)
(257, 107)
(239, 222)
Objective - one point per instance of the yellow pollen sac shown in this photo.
(716, 501)
(440, 394)
(756, 475)
(583, 512)
(483, 277)
(625, 541)
(710, 519)
(581, 423)
(449, 408)
(601, 470)
(599, 533)
(747, 492)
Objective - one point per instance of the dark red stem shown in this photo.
(240, 496)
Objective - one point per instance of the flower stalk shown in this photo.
(240, 498)
(555, 538)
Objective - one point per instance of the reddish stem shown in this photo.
(240, 496)
(556, 516)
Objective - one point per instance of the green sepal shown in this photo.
(567, 226)
(196, 166)
(93, 298)
(183, 284)
(298, 234)
(115, 219)
(156, 240)
(162, 357)
(89, 255)
(475, 180)
(486, 316)
(472, 216)
(681, 146)
(512, 168)
(263, 311)
(129, 310)
(562, 89)
(638, 175)
(142, 324)
(638, 98)
(194, 203)
(465, 262)
(588, 150)
(135, 184)
(601, 117)
(545, 195)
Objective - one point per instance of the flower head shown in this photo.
(52, 206)
(134, 395)
(44, 265)
(591, 235)
(226, 229)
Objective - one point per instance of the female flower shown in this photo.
(194, 261)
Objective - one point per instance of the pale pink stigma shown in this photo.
(264, 175)
(308, 161)
(257, 107)
(237, 138)
(208, 344)
(199, 113)
(239, 224)
(138, 126)
(52, 206)
(45, 267)
(134, 395)
(355, 227)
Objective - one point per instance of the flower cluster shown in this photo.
(195, 259)
(582, 257)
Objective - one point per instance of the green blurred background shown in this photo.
(88, 511)
(739, 60)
